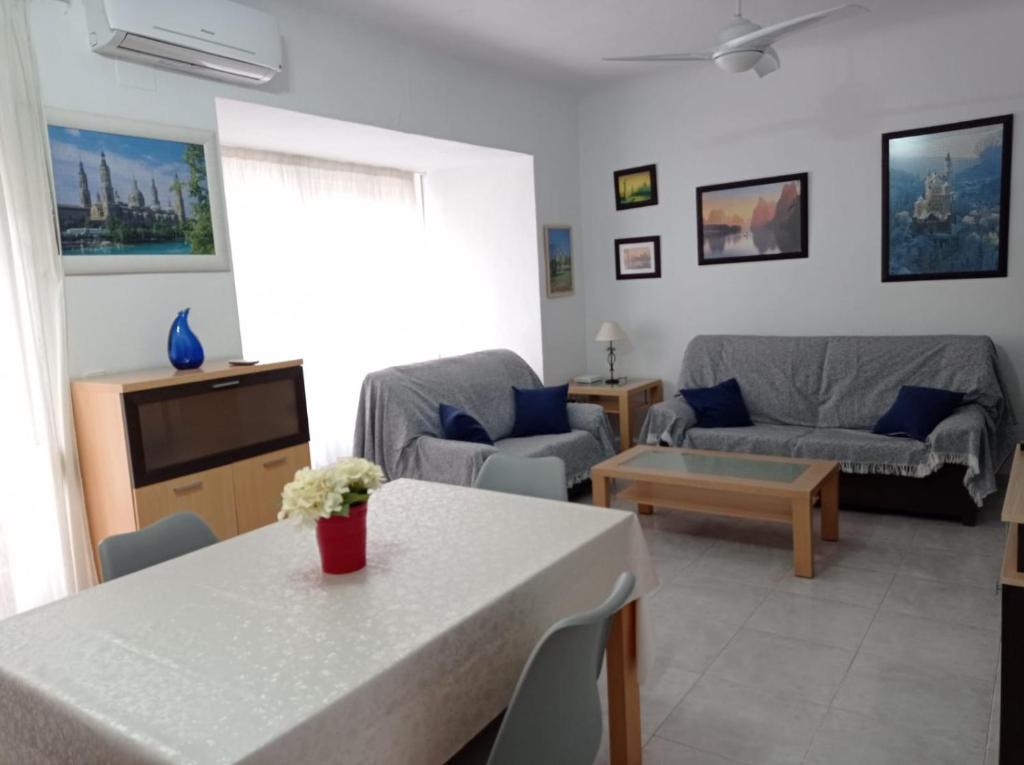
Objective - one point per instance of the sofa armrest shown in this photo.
(591, 418)
(667, 422)
(438, 459)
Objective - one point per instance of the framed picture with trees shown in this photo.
(134, 197)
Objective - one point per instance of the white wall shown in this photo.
(824, 113)
(335, 68)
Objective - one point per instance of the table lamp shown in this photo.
(610, 332)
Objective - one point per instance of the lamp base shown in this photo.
(613, 380)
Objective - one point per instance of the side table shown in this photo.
(627, 401)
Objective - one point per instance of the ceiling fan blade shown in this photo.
(663, 57)
(769, 63)
(768, 35)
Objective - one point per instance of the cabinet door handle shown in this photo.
(185, 488)
(226, 384)
(275, 462)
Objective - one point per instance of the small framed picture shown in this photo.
(638, 257)
(748, 221)
(636, 187)
(558, 260)
(946, 201)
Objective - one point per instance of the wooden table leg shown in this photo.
(625, 423)
(600, 487)
(803, 537)
(830, 508)
(645, 509)
(624, 742)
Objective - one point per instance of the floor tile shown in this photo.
(955, 567)
(677, 546)
(955, 537)
(861, 553)
(686, 639)
(904, 694)
(718, 600)
(782, 665)
(753, 564)
(820, 621)
(661, 751)
(846, 738)
(856, 586)
(661, 694)
(930, 644)
(744, 724)
(945, 601)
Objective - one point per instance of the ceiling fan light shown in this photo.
(738, 60)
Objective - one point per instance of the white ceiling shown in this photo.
(565, 39)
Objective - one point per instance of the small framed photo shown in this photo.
(946, 201)
(746, 221)
(636, 187)
(638, 257)
(558, 260)
(136, 197)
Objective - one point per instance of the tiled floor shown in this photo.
(887, 657)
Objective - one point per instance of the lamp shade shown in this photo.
(610, 332)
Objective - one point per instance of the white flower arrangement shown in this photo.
(332, 490)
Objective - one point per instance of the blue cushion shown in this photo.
(460, 425)
(917, 410)
(540, 411)
(720, 406)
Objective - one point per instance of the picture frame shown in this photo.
(558, 262)
(761, 219)
(636, 187)
(946, 201)
(638, 257)
(136, 197)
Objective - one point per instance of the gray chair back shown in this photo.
(542, 477)
(167, 538)
(555, 717)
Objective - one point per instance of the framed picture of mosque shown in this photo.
(135, 197)
(946, 201)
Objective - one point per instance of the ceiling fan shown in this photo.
(744, 45)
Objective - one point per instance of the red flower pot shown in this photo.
(342, 541)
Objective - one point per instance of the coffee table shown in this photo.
(778, 489)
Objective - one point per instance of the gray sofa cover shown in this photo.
(398, 426)
(819, 397)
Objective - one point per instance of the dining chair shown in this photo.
(554, 717)
(542, 477)
(167, 538)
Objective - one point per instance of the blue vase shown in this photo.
(183, 347)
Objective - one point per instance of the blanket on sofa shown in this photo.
(823, 395)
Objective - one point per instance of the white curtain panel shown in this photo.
(44, 542)
(330, 267)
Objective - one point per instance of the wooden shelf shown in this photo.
(707, 501)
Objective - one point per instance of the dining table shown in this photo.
(246, 652)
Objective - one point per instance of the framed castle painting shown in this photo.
(135, 197)
(558, 260)
(946, 201)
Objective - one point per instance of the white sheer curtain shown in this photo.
(44, 544)
(330, 266)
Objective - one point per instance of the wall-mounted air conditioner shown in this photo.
(210, 38)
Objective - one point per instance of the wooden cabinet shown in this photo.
(220, 441)
(258, 482)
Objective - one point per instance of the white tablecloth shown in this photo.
(246, 652)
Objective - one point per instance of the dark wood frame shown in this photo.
(144, 476)
(801, 178)
(1006, 121)
(655, 240)
(653, 170)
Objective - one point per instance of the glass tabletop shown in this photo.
(733, 466)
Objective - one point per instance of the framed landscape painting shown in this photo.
(638, 257)
(558, 260)
(760, 219)
(135, 197)
(636, 187)
(946, 201)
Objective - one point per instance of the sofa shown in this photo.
(398, 426)
(819, 398)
